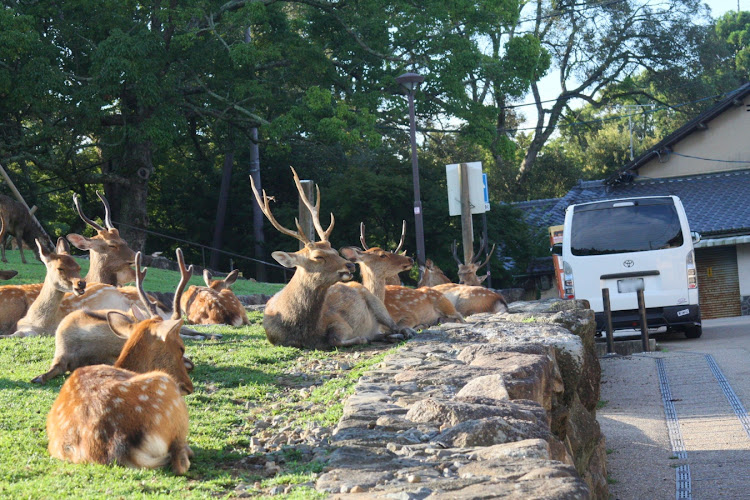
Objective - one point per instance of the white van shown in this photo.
(628, 244)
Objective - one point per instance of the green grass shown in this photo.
(157, 280)
(238, 380)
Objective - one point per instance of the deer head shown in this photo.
(219, 285)
(153, 343)
(111, 257)
(432, 275)
(63, 272)
(467, 273)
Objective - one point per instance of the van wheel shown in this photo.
(693, 332)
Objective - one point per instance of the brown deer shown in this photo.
(215, 303)
(467, 273)
(6, 274)
(391, 280)
(85, 338)
(432, 275)
(110, 256)
(472, 299)
(132, 413)
(19, 223)
(63, 275)
(306, 312)
(412, 308)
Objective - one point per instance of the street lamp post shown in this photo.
(411, 81)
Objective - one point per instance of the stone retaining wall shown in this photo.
(502, 406)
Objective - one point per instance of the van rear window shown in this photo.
(604, 229)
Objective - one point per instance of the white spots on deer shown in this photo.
(143, 397)
(139, 409)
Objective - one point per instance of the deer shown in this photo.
(19, 223)
(63, 275)
(216, 303)
(85, 338)
(132, 413)
(5, 274)
(431, 275)
(408, 307)
(390, 280)
(310, 312)
(467, 273)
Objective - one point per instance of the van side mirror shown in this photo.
(556, 249)
(696, 236)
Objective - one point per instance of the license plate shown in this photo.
(630, 285)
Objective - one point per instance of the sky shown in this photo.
(549, 88)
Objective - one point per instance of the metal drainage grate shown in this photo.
(734, 401)
(682, 473)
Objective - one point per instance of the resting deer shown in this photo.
(132, 413)
(432, 275)
(18, 222)
(85, 338)
(467, 273)
(412, 308)
(215, 303)
(63, 275)
(390, 280)
(110, 264)
(472, 299)
(309, 312)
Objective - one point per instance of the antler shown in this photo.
(489, 256)
(107, 212)
(139, 275)
(264, 206)
(403, 237)
(314, 210)
(362, 236)
(475, 258)
(185, 274)
(454, 249)
(83, 216)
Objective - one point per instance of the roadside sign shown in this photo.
(477, 191)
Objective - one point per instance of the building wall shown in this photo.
(743, 269)
(726, 138)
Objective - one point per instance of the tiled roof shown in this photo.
(716, 204)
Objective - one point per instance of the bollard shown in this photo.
(608, 316)
(644, 322)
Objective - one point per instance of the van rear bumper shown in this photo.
(671, 316)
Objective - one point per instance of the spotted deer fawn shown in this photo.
(309, 311)
(132, 413)
(85, 338)
(408, 307)
(63, 275)
(18, 222)
(215, 303)
(467, 273)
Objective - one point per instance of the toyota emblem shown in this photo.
(628, 263)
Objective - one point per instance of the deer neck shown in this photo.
(372, 281)
(297, 307)
(98, 271)
(44, 313)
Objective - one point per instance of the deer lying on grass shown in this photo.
(132, 413)
(432, 275)
(412, 308)
(18, 222)
(63, 275)
(467, 273)
(309, 311)
(85, 338)
(391, 280)
(215, 303)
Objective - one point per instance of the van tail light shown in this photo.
(692, 273)
(568, 288)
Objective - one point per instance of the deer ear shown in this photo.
(120, 324)
(207, 277)
(482, 278)
(231, 278)
(80, 242)
(350, 253)
(166, 327)
(62, 246)
(285, 259)
(138, 313)
(43, 252)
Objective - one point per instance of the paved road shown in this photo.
(675, 420)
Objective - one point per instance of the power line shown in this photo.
(746, 162)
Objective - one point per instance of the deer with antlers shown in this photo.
(390, 280)
(431, 275)
(132, 413)
(85, 338)
(408, 307)
(215, 303)
(467, 273)
(63, 275)
(313, 310)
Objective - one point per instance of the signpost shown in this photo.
(468, 194)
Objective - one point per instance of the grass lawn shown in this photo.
(240, 380)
